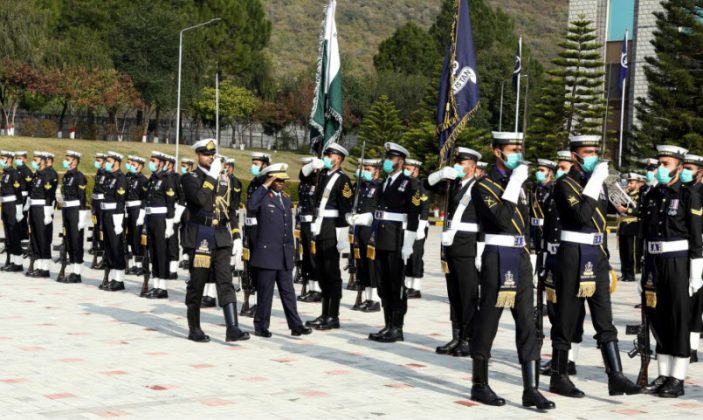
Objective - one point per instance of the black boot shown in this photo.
(233, 331)
(387, 323)
(531, 397)
(672, 388)
(618, 384)
(332, 319)
(451, 345)
(395, 332)
(480, 390)
(208, 302)
(654, 386)
(560, 383)
(315, 323)
(195, 333)
(694, 356)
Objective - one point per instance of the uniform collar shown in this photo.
(499, 175)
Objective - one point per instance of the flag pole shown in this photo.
(517, 103)
(500, 118)
(622, 112)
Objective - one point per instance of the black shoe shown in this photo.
(183, 264)
(571, 369)
(301, 330)
(371, 306)
(546, 368)
(61, 279)
(195, 333)
(311, 297)
(359, 306)
(139, 271)
(654, 386)
(626, 279)
(173, 276)
(131, 270)
(480, 390)
(329, 323)
(531, 397)
(208, 302)
(387, 319)
(672, 388)
(249, 313)
(559, 383)
(232, 323)
(157, 294)
(262, 333)
(393, 335)
(451, 345)
(315, 323)
(16, 268)
(74, 278)
(413, 294)
(618, 384)
(694, 356)
(6, 267)
(39, 274)
(99, 266)
(463, 349)
(115, 286)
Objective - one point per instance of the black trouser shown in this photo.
(306, 237)
(327, 264)
(578, 332)
(569, 307)
(267, 279)
(628, 255)
(488, 317)
(114, 244)
(40, 239)
(155, 225)
(173, 247)
(13, 229)
(24, 224)
(696, 306)
(415, 266)
(97, 226)
(365, 268)
(133, 232)
(671, 318)
(219, 273)
(462, 291)
(74, 236)
(391, 281)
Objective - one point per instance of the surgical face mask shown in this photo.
(108, 167)
(3, 164)
(18, 163)
(387, 166)
(255, 170)
(367, 176)
(540, 177)
(128, 167)
(97, 164)
(663, 175)
(459, 171)
(650, 177)
(588, 164)
(184, 170)
(327, 162)
(686, 176)
(406, 172)
(560, 173)
(153, 167)
(35, 165)
(165, 168)
(512, 160)
(66, 164)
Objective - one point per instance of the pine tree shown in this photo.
(672, 112)
(381, 124)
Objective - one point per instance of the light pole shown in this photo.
(180, 62)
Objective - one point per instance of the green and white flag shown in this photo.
(326, 115)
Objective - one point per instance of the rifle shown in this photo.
(63, 257)
(539, 310)
(30, 250)
(247, 282)
(144, 240)
(641, 343)
(351, 267)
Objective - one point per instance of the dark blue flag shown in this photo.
(624, 65)
(518, 65)
(458, 87)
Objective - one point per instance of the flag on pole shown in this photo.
(624, 65)
(518, 65)
(458, 86)
(327, 106)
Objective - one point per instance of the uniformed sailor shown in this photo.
(112, 210)
(75, 214)
(12, 185)
(415, 266)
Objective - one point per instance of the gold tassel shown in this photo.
(300, 250)
(245, 254)
(586, 289)
(143, 240)
(313, 248)
(94, 219)
(439, 223)
(650, 298)
(445, 267)
(201, 261)
(101, 236)
(357, 253)
(613, 281)
(506, 299)
(551, 294)
(371, 252)
(351, 238)
(296, 233)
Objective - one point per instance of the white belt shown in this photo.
(8, 199)
(156, 210)
(306, 218)
(98, 196)
(582, 238)
(72, 203)
(34, 202)
(250, 221)
(133, 203)
(390, 216)
(462, 227)
(552, 248)
(537, 222)
(328, 213)
(663, 247)
(509, 241)
(108, 206)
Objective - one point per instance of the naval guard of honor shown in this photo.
(506, 271)
(136, 194)
(305, 217)
(96, 198)
(112, 210)
(75, 213)
(462, 246)
(415, 266)
(673, 271)
(12, 185)
(208, 239)
(582, 202)
(42, 195)
(629, 229)
(26, 173)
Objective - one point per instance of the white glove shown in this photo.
(517, 178)
(408, 242)
(178, 213)
(447, 172)
(169, 225)
(215, 169)
(421, 226)
(695, 280)
(533, 261)
(48, 214)
(237, 248)
(117, 220)
(83, 219)
(639, 288)
(363, 219)
(342, 239)
(19, 216)
(480, 246)
(349, 218)
(140, 218)
(26, 205)
(595, 183)
(314, 164)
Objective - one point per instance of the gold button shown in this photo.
(215, 222)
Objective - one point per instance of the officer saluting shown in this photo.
(673, 268)
(208, 239)
(391, 245)
(461, 249)
(11, 188)
(42, 195)
(506, 271)
(582, 202)
(112, 223)
(76, 215)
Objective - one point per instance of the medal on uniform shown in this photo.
(673, 207)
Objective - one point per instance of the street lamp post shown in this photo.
(180, 63)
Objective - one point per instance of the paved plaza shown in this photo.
(73, 351)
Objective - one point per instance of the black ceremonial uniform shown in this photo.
(53, 178)
(97, 197)
(12, 186)
(249, 243)
(415, 266)
(136, 193)
(306, 214)
(159, 206)
(42, 193)
(369, 194)
(115, 187)
(236, 201)
(696, 304)
(173, 247)
(27, 175)
(628, 231)
(73, 188)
